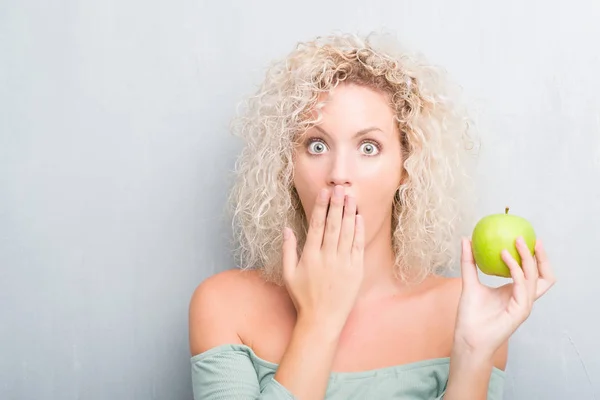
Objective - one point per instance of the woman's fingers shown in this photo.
(316, 229)
(547, 278)
(334, 221)
(468, 268)
(520, 293)
(358, 245)
(290, 255)
(348, 223)
(529, 267)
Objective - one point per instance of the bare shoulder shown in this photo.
(447, 294)
(449, 291)
(218, 308)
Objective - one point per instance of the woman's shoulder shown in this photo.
(221, 305)
(438, 298)
(449, 288)
(445, 290)
(231, 286)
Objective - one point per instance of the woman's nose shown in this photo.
(340, 172)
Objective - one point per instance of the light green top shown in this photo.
(234, 371)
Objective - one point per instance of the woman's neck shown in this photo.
(379, 260)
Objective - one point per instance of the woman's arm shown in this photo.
(215, 315)
(322, 284)
(470, 373)
(307, 361)
(487, 317)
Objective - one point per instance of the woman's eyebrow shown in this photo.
(360, 133)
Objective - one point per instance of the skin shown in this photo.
(368, 167)
(340, 293)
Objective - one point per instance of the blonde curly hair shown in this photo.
(430, 207)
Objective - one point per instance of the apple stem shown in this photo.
(506, 210)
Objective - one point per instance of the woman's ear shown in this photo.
(403, 177)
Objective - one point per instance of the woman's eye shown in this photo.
(316, 147)
(369, 148)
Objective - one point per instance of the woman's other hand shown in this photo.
(487, 316)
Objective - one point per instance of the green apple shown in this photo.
(496, 232)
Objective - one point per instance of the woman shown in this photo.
(347, 211)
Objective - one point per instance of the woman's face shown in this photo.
(357, 146)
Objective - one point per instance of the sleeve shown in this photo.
(495, 387)
(230, 375)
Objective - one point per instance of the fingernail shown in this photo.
(338, 191)
(520, 240)
(286, 233)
